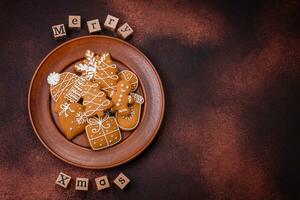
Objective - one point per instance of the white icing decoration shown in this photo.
(137, 98)
(64, 108)
(53, 78)
(81, 118)
(89, 71)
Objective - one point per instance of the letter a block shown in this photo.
(125, 31)
(94, 26)
(121, 181)
(102, 183)
(111, 23)
(59, 31)
(63, 180)
(82, 184)
(74, 21)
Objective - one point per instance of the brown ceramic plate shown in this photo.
(77, 152)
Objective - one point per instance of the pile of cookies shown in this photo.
(99, 100)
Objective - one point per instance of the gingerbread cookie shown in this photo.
(63, 86)
(131, 121)
(100, 69)
(72, 119)
(94, 99)
(102, 132)
(107, 73)
(130, 77)
(121, 98)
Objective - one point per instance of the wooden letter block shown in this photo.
(102, 183)
(82, 184)
(63, 180)
(59, 31)
(125, 31)
(121, 181)
(94, 26)
(111, 23)
(74, 22)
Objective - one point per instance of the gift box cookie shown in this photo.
(102, 132)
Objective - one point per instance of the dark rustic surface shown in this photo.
(231, 76)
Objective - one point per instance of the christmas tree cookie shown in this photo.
(94, 99)
(107, 73)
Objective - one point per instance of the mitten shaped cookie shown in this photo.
(121, 98)
(131, 121)
(102, 132)
(94, 99)
(72, 119)
(130, 77)
(64, 86)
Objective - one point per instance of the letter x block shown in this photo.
(59, 31)
(102, 183)
(82, 184)
(121, 181)
(63, 180)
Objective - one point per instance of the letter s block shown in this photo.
(121, 181)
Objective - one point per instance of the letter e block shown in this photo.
(59, 31)
(102, 182)
(63, 180)
(94, 26)
(82, 184)
(121, 181)
(125, 31)
(74, 22)
(111, 23)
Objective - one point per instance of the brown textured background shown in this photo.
(231, 76)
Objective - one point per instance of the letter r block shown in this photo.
(59, 31)
(94, 26)
(111, 23)
(63, 180)
(102, 183)
(82, 184)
